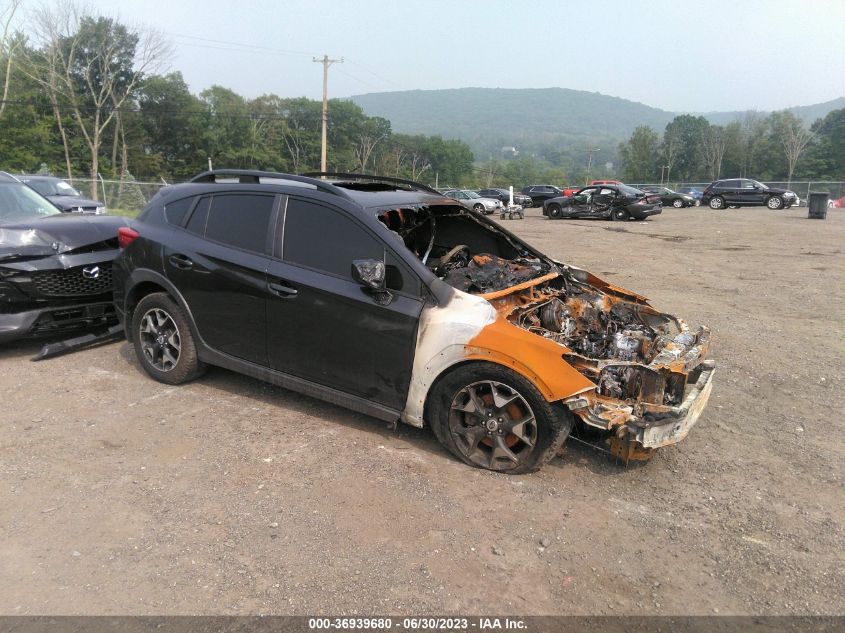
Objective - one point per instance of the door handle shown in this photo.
(281, 290)
(181, 261)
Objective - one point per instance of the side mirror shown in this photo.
(372, 275)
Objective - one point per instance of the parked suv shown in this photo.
(504, 196)
(540, 193)
(391, 299)
(744, 192)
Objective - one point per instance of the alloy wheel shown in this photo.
(160, 340)
(493, 425)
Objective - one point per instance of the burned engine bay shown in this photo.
(641, 360)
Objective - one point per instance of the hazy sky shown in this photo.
(697, 55)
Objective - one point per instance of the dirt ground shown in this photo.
(119, 495)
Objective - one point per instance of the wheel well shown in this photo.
(134, 297)
(455, 367)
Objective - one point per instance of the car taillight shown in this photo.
(125, 236)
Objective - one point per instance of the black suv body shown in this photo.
(745, 192)
(393, 300)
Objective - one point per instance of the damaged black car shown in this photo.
(55, 268)
(604, 202)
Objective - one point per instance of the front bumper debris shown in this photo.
(637, 435)
(52, 320)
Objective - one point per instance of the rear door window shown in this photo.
(241, 220)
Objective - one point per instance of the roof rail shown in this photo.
(399, 181)
(253, 176)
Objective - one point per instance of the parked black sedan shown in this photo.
(504, 195)
(670, 198)
(61, 194)
(605, 202)
(55, 268)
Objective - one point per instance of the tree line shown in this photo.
(773, 147)
(86, 94)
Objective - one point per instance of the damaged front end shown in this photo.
(648, 370)
(57, 278)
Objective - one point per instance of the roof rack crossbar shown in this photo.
(401, 181)
(253, 176)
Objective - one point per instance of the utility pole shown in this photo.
(590, 163)
(326, 62)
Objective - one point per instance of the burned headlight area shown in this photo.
(635, 355)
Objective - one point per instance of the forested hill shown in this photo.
(808, 113)
(515, 115)
(489, 118)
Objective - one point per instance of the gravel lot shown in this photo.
(119, 495)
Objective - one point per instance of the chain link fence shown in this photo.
(121, 197)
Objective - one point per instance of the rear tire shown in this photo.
(677, 203)
(717, 202)
(620, 215)
(491, 417)
(163, 340)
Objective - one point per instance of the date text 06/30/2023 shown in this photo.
(416, 624)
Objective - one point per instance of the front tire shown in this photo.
(677, 203)
(555, 211)
(717, 202)
(163, 340)
(480, 208)
(491, 417)
(774, 203)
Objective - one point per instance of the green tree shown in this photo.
(827, 154)
(171, 126)
(687, 132)
(640, 155)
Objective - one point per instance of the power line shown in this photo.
(242, 45)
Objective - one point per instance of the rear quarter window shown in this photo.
(175, 212)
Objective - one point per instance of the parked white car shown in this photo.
(474, 200)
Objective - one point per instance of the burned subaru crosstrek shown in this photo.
(391, 299)
(55, 268)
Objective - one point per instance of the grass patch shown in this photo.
(126, 213)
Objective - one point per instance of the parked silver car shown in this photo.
(473, 200)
